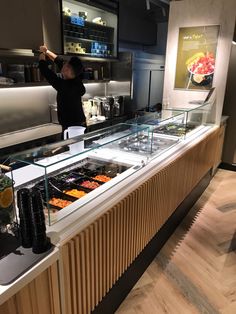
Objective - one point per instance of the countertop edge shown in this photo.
(6, 292)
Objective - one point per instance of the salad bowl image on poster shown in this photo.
(196, 57)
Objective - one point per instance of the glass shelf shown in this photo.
(196, 116)
(87, 40)
(52, 154)
(156, 118)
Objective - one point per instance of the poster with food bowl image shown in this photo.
(196, 57)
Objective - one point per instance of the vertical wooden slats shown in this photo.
(92, 266)
(115, 246)
(106, 248)
(104, 254)
(78, 274)
(87, 270)
(73, 272)
(96, 262)
(111, 244)
(83, 272)
(67, 283)
(40, 296)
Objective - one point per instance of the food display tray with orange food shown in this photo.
(70, 185)
(64, 191)
(56, 198)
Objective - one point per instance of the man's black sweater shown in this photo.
(69, 92)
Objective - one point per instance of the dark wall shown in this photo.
(229, 151)
(134, 26)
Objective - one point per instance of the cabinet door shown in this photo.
(141, 79)
(51, 16)
(20, 24)
(156, 87)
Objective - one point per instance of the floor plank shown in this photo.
(195, 272)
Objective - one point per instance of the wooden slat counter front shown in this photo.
(95, 258)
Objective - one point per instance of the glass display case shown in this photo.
(141, 147)
(90, 28)
(177, 122)
(73, 172)
(196, 117)
(169, 122)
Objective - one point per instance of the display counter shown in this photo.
(100, 237)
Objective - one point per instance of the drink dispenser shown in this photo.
(98, 106)
(118, 106)
(107, 106)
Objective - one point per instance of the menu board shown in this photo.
(196, 57)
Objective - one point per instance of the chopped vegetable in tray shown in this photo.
(59, 202)
(90, 184)
(102, 178)
(75, 193)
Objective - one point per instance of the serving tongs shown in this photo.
(55, 187)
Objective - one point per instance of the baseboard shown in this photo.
(123, 286)
(226, 166)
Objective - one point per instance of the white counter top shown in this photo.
(8, 291)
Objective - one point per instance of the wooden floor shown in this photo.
(195, 272)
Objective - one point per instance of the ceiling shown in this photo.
(156, 10)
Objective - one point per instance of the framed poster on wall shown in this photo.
(196, 57)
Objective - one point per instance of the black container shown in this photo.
(23, 198)
(40, 242)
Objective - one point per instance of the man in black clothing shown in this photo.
(69, 88)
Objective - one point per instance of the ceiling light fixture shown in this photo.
(148, 4)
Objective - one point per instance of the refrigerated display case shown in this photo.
(196, 117)
(169, 122)
(177, 122)
(90, 28)
(73, 172)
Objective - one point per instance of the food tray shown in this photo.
(54, 192)
(174, 129)
(91, 181)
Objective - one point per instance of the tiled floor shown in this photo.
(195, 272)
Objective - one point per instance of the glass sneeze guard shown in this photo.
(51, 154)
(69, 180)
(197, 116)
(165, 122)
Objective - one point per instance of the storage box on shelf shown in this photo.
(72, 173)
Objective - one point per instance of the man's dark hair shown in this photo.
(76, 65)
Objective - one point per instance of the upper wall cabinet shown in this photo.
(20, 24)
(90, 28)
(51, 19)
